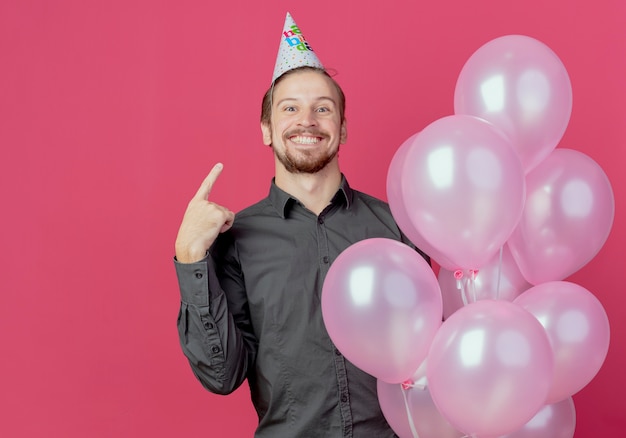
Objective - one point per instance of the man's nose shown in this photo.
(307, 118)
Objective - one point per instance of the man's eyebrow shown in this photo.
(291, 99)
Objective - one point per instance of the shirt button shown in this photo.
(337, 352)
(344, 398)
(199, 275)
(208, 325)
(325, 259)
(320, 220)
(215, 349)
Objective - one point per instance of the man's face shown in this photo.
(306, 128)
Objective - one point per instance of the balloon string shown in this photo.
(405, 390)
(460, 285)
(499, 274)
(471, 280)
(467, 285)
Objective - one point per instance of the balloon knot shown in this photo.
(407, 384)
(458, 274)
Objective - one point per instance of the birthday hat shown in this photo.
(294, 51)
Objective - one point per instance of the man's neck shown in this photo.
(315, 190)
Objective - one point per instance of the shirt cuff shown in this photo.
(193, 281)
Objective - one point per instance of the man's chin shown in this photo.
(304, 167)
(305, 163)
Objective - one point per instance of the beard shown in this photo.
(308, 161)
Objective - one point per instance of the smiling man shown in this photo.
(251, 284)
(305, 130)
(307, 114)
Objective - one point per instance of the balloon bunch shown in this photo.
(507, 216)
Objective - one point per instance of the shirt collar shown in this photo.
(283, 201)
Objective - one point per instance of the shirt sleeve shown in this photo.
(220, 349)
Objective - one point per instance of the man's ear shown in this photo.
(343, 136)
(267, 133)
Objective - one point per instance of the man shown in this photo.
(251, 307)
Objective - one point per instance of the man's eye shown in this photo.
(290, 108)
(323, 109)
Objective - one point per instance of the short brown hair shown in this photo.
(266, 106)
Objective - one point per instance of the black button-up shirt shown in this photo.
(252, 310)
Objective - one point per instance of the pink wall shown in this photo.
(111, 113)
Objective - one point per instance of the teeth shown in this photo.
(304, 140)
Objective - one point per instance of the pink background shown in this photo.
(111, 113)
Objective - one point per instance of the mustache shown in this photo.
(306, 131)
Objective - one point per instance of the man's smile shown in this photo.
(305, 139)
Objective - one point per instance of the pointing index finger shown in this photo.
(207, 184)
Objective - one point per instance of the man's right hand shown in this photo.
(202, 222)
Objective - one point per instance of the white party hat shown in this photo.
(294, 51)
